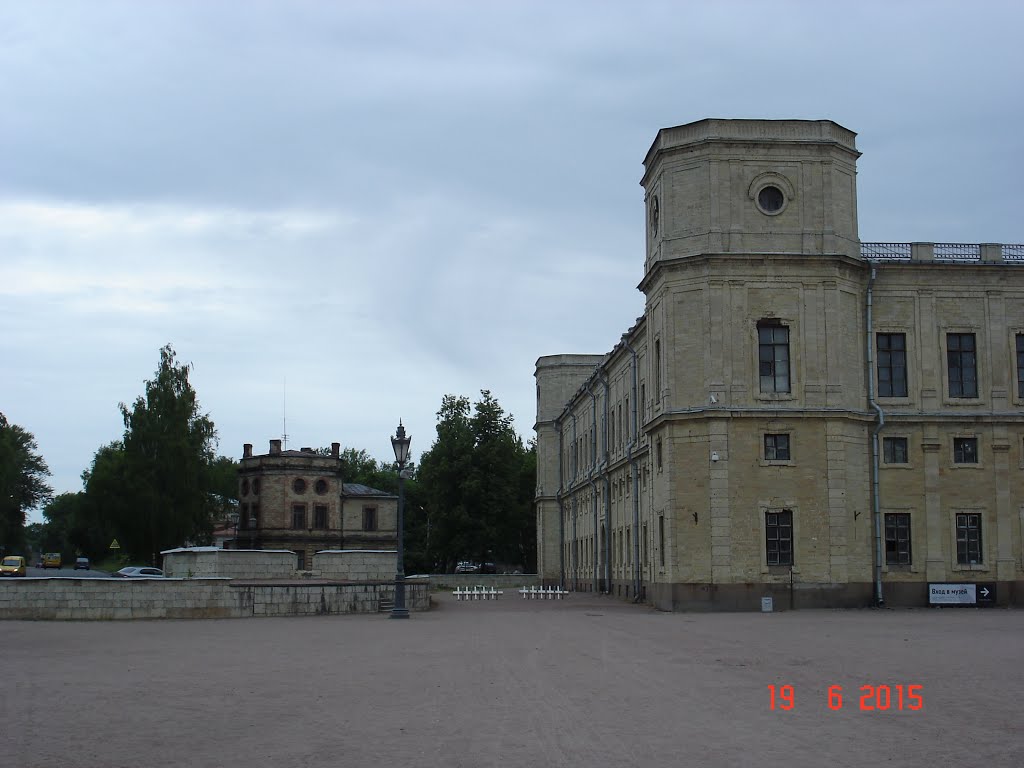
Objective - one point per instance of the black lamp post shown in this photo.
(400, 442)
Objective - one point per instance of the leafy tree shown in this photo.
(477, 483)
(23, 483)
(162, 494)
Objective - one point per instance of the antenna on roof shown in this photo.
(284, 414)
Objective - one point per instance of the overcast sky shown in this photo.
(383, 202)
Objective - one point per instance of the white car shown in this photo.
(137, 572)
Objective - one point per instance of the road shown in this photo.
(584, 682)
(66, 573)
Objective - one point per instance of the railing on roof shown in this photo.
(964, 253)
(885, 251)
(957, 252)
(1013, 252)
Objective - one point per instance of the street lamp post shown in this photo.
(234, 519)
(400, 442)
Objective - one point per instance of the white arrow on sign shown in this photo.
(984, 591)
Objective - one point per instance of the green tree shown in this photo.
(166, 480)
(23, 483)
(476, 482)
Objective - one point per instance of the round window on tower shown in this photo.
(321, 486)
(299, 485)
(770, 199)
(245, 487)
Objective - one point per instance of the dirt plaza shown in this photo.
(587, 681)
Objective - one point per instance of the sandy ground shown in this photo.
(585, 682)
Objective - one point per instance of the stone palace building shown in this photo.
(797, 414)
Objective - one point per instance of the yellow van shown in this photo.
(12, 565)
(51, 560)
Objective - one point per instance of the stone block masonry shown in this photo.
(105, 599)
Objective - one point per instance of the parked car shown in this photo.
(139, 572)
(467, 567)
(82, 564)
(51, 560)
(12, 565)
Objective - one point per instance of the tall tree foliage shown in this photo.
(477, 483)
(166, 479)
(23, 483)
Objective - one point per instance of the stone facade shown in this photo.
(298, 501)
(724, 450)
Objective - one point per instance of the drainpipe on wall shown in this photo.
(573, 546)
(561, 505)
(607, 492)
(634, 439)
(875, 502)
(593, 486)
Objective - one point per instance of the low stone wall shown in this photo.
(355, 564)
(77, 599)
(212, 562)
(496, 580)
(340, 564)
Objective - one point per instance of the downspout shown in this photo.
(875, 505)
(561, 506)
(607, 493)
(593, 486)
(633, 439)
(574, 545)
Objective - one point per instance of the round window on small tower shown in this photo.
(245, 487)
(321, 486)
(299, 485)
(770, 199)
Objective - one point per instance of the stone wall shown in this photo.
(355, 564)
(85, 599)
(211, 562)
(258, 564)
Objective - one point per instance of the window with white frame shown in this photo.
(773, 356)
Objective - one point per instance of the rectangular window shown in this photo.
(657, 365)
(320, 517)
(369, 518)
(243, 517)
(892, 364)
(644, 558)
(657, 454)
(968, 539)
(894, 450)
(776, 447)
(661, 539)
(962, 364)
(897, 538)
(965, 450)
(773, 356)
(300, 560)
(298, 517)
(254, 516)
(778, 527)
(1020, 365)
(643, 402)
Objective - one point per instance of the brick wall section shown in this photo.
(104, 599)
(342, 565)
(355, 565)
(209, 562)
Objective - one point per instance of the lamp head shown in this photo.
(400, 443)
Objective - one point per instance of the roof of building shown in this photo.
(358, 489)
